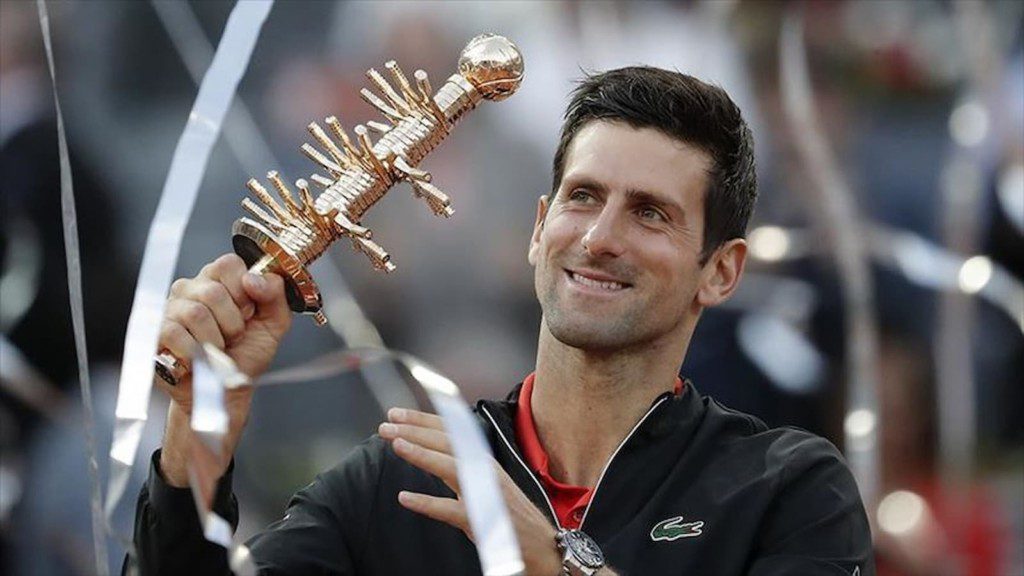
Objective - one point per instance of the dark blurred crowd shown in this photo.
(888, 80)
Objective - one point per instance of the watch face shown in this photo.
(584, 549)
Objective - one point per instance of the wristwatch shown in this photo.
(581, 556)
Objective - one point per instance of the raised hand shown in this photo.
(420, 439)
(241, 313)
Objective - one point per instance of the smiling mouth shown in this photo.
(608, 285)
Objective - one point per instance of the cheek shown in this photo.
(678, 271)
(563, 229)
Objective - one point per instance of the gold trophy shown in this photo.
(284, 237)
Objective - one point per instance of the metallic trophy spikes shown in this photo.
(284, 237)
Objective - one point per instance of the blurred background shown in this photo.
(883, 303)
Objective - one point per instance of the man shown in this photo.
(602, 446)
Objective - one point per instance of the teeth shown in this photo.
(596, 283)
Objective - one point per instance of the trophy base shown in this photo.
(258, 245)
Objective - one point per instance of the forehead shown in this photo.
(622, 157)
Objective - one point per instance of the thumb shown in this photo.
(267, 291)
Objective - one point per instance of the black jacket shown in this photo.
(752, 501)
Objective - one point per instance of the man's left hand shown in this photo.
(420, 439)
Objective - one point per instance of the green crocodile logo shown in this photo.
(675, 528)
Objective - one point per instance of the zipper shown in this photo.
(508, 445)
(593, 495)
(607, 464)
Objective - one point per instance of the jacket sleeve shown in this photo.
(817, 525)
(168, 536)
(323, 530)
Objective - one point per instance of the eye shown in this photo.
(650, 213)
(580, 195)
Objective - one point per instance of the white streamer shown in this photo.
(494, 535)
(241, 132)
(213, 372)
(69, 221)
(963, 202)
(164, 242)
(841, 223)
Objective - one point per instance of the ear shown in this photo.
(722, 272)
(538, 226)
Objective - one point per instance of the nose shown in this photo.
(603, 236)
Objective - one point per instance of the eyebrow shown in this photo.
(635, 195)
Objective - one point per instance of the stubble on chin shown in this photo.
(592, 338)
(589, 328)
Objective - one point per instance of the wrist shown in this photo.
(173, 464)
(552, 565)
(175, 452)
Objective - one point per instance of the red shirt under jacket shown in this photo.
(569, 501)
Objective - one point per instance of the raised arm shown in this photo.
(246, 316)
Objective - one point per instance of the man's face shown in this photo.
(616, 252)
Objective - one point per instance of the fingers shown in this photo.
(429, 438)
(232, 296)
(263, 288)
(197, 319)
(447, 510)
(250, 291)
(212, 307)
(267, 291)
(430, 461)
(228, 270)
(420, 439)
(218, 300)
(175, 338)
(415, 418)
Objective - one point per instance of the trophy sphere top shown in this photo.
(493, 64)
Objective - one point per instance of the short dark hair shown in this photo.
(684, 108)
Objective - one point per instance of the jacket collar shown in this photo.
(679, 408)
(670, 426)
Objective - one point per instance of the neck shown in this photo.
(585, 403)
